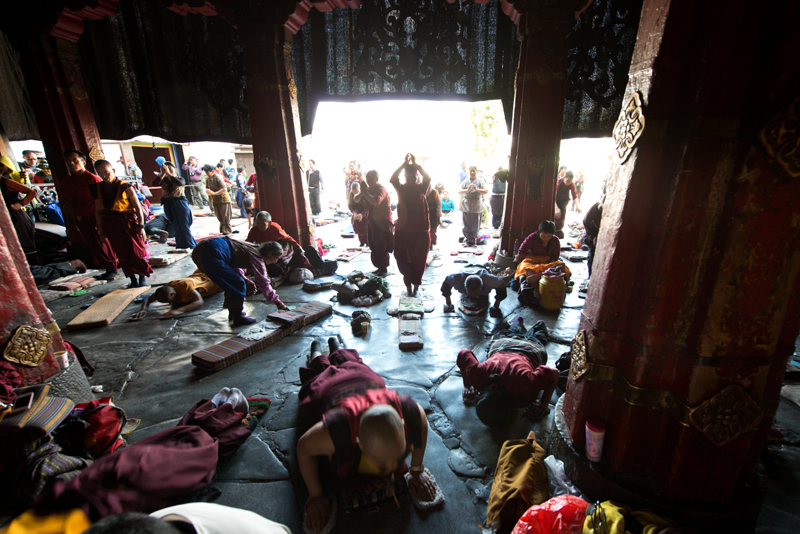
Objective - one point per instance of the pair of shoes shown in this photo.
(333, 344)
(162, 236)
(382, 272)
(316, 346)
(238, 400)
(109, 276)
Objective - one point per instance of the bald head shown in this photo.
(474, 285)
(165, 294)
(382, 436)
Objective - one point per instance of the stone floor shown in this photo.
(147, 367)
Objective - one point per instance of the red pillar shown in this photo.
(274, 118)
(22, 305)
(538, 117)
(693, 307)
(60, 103)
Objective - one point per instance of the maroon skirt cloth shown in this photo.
(159, 471)
(411, 254)
(104, 257)
(125, 239)
(327, 379)
(381, 242)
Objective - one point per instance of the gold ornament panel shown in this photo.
(28, 346)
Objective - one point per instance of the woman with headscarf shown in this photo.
(176, 207)
(23, 224)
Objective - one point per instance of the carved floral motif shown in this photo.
(579, 364)
(727, 415)
(781, 138)
(629, 127)
(28, 346)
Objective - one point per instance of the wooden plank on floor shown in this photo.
(106, 309)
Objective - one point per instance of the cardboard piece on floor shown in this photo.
(91, 272)
(348, 255)
(236, 348)
(575, 256)
(410, 305)
(319, 284)
(106, 309)
(410, 330)
(348, 235)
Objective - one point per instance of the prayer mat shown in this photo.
(106, 309)
(410, 305)
(438, 497)
(323, 222)
(320, 284)
(237, 348)
(91, 272)
(328, 526)
(42, 417)
(49, 295)
(348, 255)
(410, 329)
(373, 493)
(473, 306)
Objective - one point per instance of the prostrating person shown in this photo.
(475, 284)
(472, 191)
(513, 375)
(381, 227)
(20, 218)
(367, 429)
(360, 214)
(412, 238)
(120, 219)
(217, 193)
(266, 230)
(78, 207)
(224, 260)
(176, 207)
(184, 294)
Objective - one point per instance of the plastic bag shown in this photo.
(300, 275)
(560, 484)
(564, 514)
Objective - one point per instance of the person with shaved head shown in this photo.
(366, 430)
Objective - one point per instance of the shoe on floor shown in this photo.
(243, 321)
(162, 236)
(239, 402)
(333, 344)
(220, 398)
(316, 346)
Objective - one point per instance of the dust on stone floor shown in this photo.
(147, 367)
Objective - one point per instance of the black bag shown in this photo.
(329, 267)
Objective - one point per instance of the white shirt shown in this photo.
(210, 518)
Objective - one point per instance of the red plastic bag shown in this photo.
(564, 514)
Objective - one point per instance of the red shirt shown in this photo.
(382, 209)
(76, 193)
(522, 378)
(273, 233)
(533, 246)
(412, 206)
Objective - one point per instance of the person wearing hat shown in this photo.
(23, 224)
(78, 207)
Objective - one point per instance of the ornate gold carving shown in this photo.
(579, 363)
(544, 75)
(28, 346)
(96, 154)
(52, 328)
(293, 89)
(78, 92)
(781, 138)
(536, 162)
(629, 127)
(727, 415)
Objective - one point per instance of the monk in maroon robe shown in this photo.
(412, 238)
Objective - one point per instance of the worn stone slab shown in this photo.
(483, 442)
(464, 465)
(274, 500)
(286, 415)
(418, 394)
(141, 433)
(255, 462)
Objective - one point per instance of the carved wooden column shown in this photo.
(538, 114)
(274, 119)
(694, 302)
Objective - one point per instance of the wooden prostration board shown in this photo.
(106, 309)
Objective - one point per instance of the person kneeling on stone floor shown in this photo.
(474, 283)
(265, 230)
(365, 429)
(224, 260)
(513, 375)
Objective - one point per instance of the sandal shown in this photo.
(536, 412)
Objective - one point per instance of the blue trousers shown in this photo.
(240, 196)
(213, 257)
(178, 212)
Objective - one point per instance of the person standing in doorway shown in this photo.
(218, 196)
(564, 188)
(472, 191)
(314, 179)
(176, 208)
(412, 238)
(351, 174)
(462, 175)
(78, 207)
(381, 228)
(498, 197)
(194, 180)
